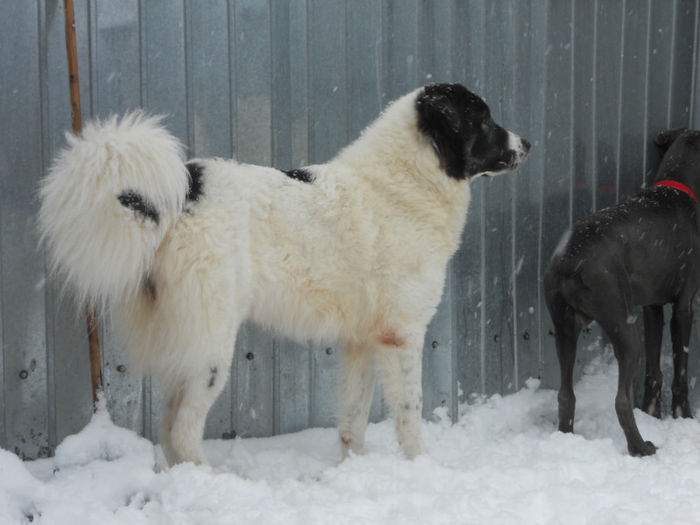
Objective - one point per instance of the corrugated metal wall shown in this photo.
(288, 83)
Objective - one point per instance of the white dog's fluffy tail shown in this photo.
(108, 201)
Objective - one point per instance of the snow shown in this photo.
(503, 462)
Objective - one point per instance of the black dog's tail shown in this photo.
(108, 201)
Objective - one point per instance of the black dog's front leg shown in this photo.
(653, 330)
(681, 323)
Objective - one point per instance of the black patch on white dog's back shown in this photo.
(139, 204)
(196, 188)
(300, 174)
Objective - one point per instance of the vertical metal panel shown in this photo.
(695, 91)
(682, 59)
(536, 161)
(659, 73)
(209, 60)
(69, 387)
(327, 79)
(288, 83)
(299, 71)
(251, 41)
(496, 229)
(525, 224)
(164, 65)
(609, 32)
(400, 20)
(25, 400)
(582, 114)
(251, 383)
(292, 386)
(363, 59)
(633, 121)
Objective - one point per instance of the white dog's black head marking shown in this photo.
(139, 204)
(196, 187)
(465, 138)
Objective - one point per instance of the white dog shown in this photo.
(354, 250)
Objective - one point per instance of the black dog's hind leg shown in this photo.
(567, 327)
(681, 323)
(627, 344)
(653, 330)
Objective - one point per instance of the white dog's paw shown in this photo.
(350, 445)
(412, 447)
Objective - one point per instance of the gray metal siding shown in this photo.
(290, 82)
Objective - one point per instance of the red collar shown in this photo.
(677, 185)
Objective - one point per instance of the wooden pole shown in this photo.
(77, 121)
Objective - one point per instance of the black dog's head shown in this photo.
(465, 138)
(688, 138)
(664, 139)
(680, 151)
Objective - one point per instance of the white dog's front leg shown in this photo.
(357, 375)
(401, 378)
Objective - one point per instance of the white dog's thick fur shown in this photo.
(354, 250)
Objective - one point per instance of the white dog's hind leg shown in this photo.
(401, 381)
(174, 399)
(357, 376)
(199, 392)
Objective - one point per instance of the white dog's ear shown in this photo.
(664, 139)
(437, 107)
(440, 120)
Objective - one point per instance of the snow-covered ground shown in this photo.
(504, 462)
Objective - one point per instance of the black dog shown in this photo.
(642, 252)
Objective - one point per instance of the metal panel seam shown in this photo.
(694, 75)
(646, 92)
(618, 160)
(48, 323)
(594, 107)
(671, 71)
